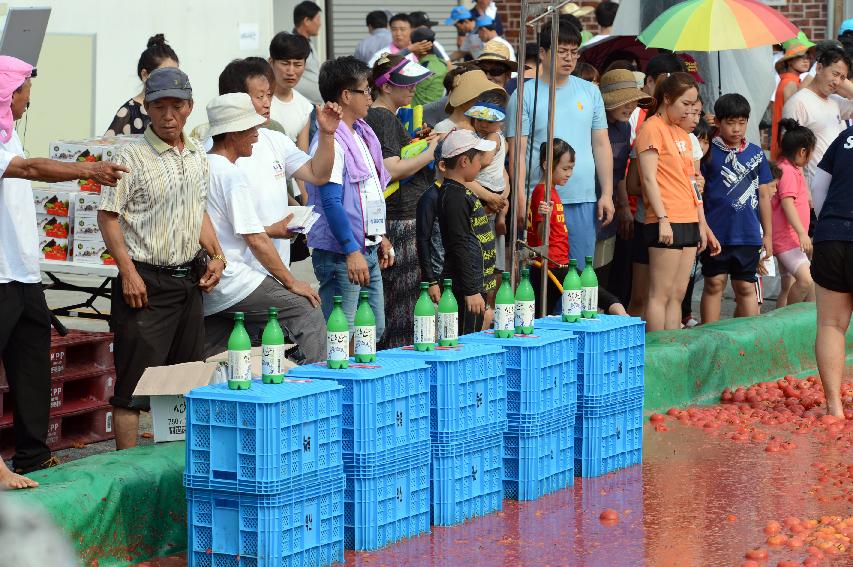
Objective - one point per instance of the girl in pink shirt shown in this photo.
(791, 243)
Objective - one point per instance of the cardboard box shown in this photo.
(85, 202)
(166, 386)
(92, 251)
(103, 148)
(52, 202)
(53, 248)
(86, 227)
(53, 226)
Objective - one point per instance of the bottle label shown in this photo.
(239, 365)
(572, 302)
(448, 326)
(590, 299)
(272, 360)
(337, 345)
(525, 313)
(505, 317)
(424, 329)
(364, 339)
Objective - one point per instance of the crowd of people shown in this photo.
(645, 181)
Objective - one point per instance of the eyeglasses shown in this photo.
(365, 92)
(568, 53)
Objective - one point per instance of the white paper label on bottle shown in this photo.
(590, 299)
(337, 345)
(572, 302)
(239, 365)
(448, 326)
(505, 317)
(525, 312)
(424, 329)
(272, 360)
(364, 339)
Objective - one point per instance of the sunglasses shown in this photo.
(494, 71)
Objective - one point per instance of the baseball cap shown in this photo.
(460, 141)
(168, 82)
(406, 73)
(846, 26)
(457, 14)
(419, 19)
(422, 33)
(484, 21)
(691, 67)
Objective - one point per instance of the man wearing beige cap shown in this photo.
(231, 205)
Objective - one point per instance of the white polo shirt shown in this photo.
(19, 241)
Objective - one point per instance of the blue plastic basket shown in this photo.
(263, 440)
(611, 440)
(385, 404)
(299, 528)
(594, 407)
(467, 388)
(380, 509)
(541, 462)
(467, 479)
(530, 424)
(540, 369)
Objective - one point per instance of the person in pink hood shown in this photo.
(25, 324)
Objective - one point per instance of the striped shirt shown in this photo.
(161, 202)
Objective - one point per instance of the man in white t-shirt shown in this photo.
(24, 315)
(244, 240)
(818, 107)
(288, 53)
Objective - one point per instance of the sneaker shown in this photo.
(689, 322)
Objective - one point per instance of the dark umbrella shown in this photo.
(602, 53)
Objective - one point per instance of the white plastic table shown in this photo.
(55, 270)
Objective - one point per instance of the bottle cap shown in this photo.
(338, 299)
(588, 259)
(239, 316)
(273, 311)
(525, 272)
(505, 275)
(448, 282)
(424, 285)
(573, 262)
(363, 294)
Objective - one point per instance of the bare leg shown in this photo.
(745, 298)
(782, 300)
(663, 272)
(712, 297)
(833, 318)
(679, 288)
(11, 481)
(803, 287)
(639, 290)
(126, 423)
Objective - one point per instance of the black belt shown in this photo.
(180, 271)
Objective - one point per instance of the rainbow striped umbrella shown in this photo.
(717, 25)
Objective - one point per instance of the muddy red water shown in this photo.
(704, 496)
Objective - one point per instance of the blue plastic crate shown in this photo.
(609, 441)
(467, 479)
(540, 369)
(385, 405)
(265, 439)
(540, 462)
(371, 464)
(529, 424)
(467, 388)
(298, 528)
(593, 407)
(384, 508)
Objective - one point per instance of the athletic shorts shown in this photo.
(684, 235)
(640, 250)
(832, 265)
(738, 262)
(790, 261)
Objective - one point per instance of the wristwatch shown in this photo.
(220, 257)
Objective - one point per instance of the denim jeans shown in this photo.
(330, 269)
(581, 223)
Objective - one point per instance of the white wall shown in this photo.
(204, 33)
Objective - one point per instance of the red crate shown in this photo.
(75, 351)
(65, 431)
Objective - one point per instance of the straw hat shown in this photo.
(793, 51)
(467, 87)
(577, 11)
(496, 50)
(232, 112)
(619, 87)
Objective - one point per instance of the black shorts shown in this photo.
(832, 265)
(684, 235)
(738, 262)
(639, 249)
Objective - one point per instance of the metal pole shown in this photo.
(518, 183)
(549, 158)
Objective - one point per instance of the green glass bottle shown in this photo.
(364, 333)
(589, 283)
(337, 337)
(272, 350)
(448, 317)
(572, 294)
(505, 309)
(239, 355)
(525, 305)
(424, 321)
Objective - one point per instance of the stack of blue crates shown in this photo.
(264, 475)
(467, 422)
(541, 395)
(609, 422)
(386, 448)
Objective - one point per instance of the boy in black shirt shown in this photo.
(469, 243)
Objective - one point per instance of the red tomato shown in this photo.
(656, 418)
(757, 554)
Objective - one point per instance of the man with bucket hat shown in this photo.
(155, 226)
(25, 321)
(496, 61)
